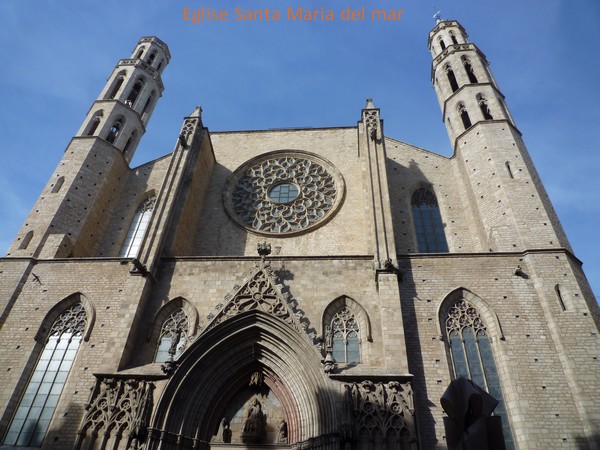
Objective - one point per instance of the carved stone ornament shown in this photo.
(262, 292)
(382, 410)
(284, 192)
(118, 411)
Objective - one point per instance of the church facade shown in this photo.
(295, 289)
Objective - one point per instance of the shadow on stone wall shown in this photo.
(425, 420)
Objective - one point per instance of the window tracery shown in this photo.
(284, 194)
(137, 230)
(345, 334)
(472, 357)
(35, 410)
(174, 335)
(428, 223)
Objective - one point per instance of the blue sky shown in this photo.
(268, 74)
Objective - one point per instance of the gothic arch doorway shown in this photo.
(254, 371)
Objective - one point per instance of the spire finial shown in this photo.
(437, 16)
(370, 104)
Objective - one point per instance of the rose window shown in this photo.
(284, 192)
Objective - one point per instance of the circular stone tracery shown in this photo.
(284, 192)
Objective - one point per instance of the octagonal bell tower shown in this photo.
(503, 184)
(72, 211)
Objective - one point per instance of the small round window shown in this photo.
(283, 193)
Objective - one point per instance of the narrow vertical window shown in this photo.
(173, 335)
(117, 86)
(130, 142)
(140, 53)
(149, 103)
(451, 78)
(114, 132)
(464, 115)
(94, 124)
(454, 41)
(33, 415)
(442, 43)
(57, 185)
(346, 337)
(509, 169)
(472, 357)
(135, 92)
(151, 58)
(469, 69)
(428, 222)
(483, 105)
(26, 240)
(137, 230)
(560, 298)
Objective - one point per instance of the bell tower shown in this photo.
(502, 182)
(73, 209)
(123, 108)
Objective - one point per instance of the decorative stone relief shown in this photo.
(283, 192)
(120, 409)
(379, 411)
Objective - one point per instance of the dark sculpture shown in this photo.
(469, 425)
(254, 427)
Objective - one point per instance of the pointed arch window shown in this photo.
(471, 354)
(453, 37)
(135, 91)
(451, 78)
(464, 115)
(483, 105)
(345, 337)
(35, 410)
(140, 53)
(137, 230)
(130, 142)
(117, 86)
(94, 123)
(442, 43)
(115, 130)
(428, 222)
(469, 69)
(173, 336)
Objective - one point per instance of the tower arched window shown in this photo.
(345, 337)
(116, 86)
(469, 69)
(135, 91)
(115, 131)
(151, 58)
(451, 78)
(140, 53)
(429, 227)
(464, 115)
(442, 43)
(130, 142)
(173, 336)
(94, 123)
(472, 357)
(32, 418)
(485, 109)
(453, 37)
(137, 230)
(149, 103)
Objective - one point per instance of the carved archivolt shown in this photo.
(378, 412)
(118, 414)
